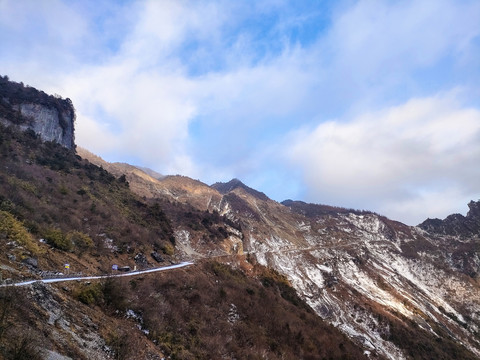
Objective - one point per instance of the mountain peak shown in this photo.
(474, 210)
(225, 188)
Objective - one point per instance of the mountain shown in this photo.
(225, 188)
(151, 172)
(271, 280)
(397, 291)
(57, 208)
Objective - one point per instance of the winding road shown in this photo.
(133, 273)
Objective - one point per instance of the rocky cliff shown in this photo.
(52, 118)
(456, 224)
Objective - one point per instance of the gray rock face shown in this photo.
(49, 123)
(31, 262)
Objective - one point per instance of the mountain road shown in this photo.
(132, 273)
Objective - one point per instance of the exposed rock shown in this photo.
(157, 257)
(31, 262)
(456, 224)
(141, 260)
(44, 297)
(47, 123)
(65, 328)
(52, 355)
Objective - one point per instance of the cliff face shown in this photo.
(52, 118)
(46, 122)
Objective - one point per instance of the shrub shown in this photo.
(80, 240)
(23, 347)
(56, 238)
(122, 344)
(90, 294)
(13, 230)
(115, 294)
(168, 249)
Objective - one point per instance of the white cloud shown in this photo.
(145, 113)
(401, 35)
(376, 51)
(179, 34)
(393, 160)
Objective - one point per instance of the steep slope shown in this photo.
(50, 200)
(139, 181)
(89, 217)
(209, 311)
(396, 290)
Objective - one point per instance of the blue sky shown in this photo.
(364, 104)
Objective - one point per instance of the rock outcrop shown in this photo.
(52, 118)
(456, 224)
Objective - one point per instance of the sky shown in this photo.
(371, 105)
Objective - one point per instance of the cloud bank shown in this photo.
(405, 160)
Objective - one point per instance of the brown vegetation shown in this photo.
(214, 311)
(49, 193)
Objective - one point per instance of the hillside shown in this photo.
(57, 208)
(396, 290)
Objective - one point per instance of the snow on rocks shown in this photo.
(350, 254)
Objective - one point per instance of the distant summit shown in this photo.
(225, 188)
(151, 172)
(51, 117)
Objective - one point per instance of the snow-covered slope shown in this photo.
(396, 290)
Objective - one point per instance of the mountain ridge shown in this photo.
(456, 224)
(225, 188)
(60, 213)
(284, 236)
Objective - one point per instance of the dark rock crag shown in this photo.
(456, 224)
